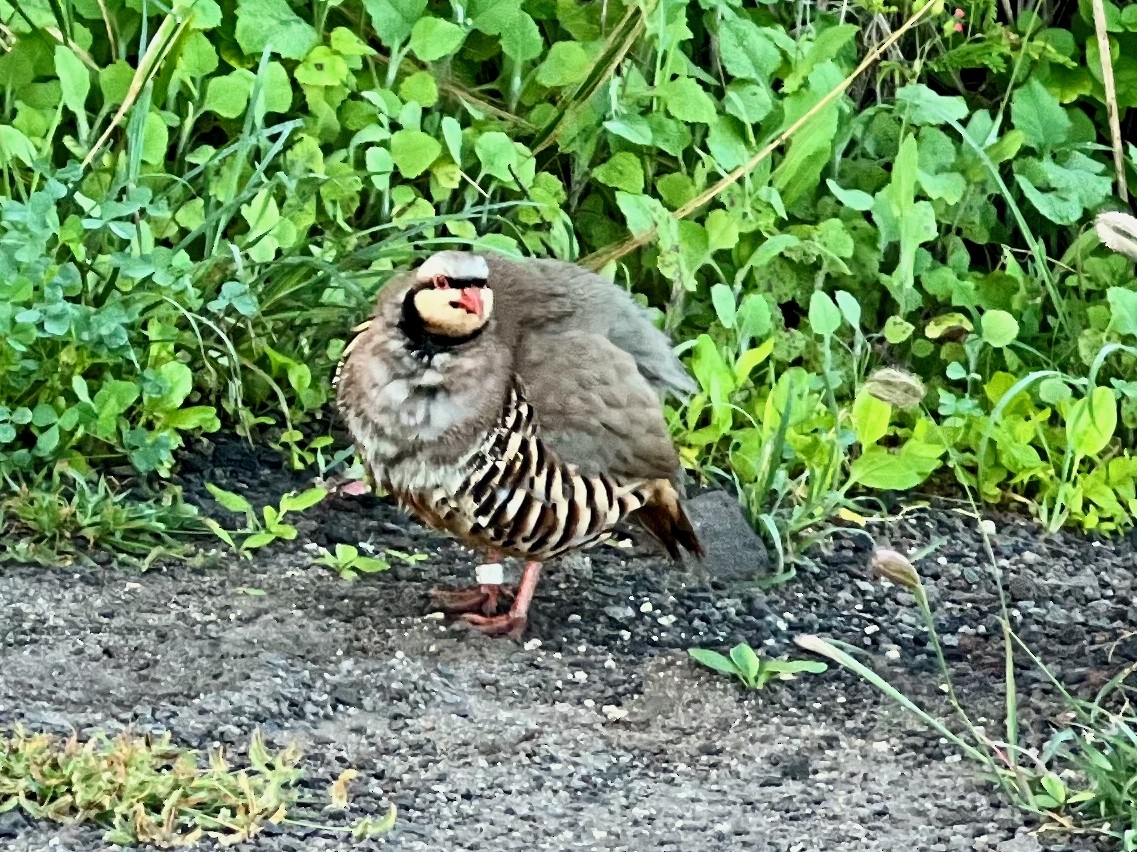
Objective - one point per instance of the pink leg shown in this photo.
(512, 623)
(482, 598)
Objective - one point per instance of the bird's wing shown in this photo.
(594, 408)
(551, 296)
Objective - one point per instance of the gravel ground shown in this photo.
(597, 732)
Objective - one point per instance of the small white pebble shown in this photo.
(574, 618)
(589, 703)
(942, 560)
(667, 620)
(609, 663)
(871, 629)
(435, 616)
(892, 653)
(626, 635)
(532, 644)
(882, 745)
(987, 526)
(580, 677)
(645, 606)
(613, 712)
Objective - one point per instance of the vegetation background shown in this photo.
(882, 282)
(868, 225)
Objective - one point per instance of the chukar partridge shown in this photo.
(515, 404)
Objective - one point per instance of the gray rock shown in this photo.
(734, 550)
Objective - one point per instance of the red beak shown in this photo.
(471, 300)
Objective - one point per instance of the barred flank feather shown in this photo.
(520, 498)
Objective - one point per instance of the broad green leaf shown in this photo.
(811, 148)
(258, 540)
(824, 316)
(229, 500)
(1039, 115)
(751, 358)
(743, 656)
(824, 48)
(754, 317)
(194, 418)
(303, 501)
(722, 297)
(394, 20)
(902, 219)
(850, 308)
(155, 139)
(421, 88)
(273, 24)
(1123, 310)
(634, 128)
(323, 67)
(1053, 391)
(521, 41)
(198, 57)
(852, 198)
(115, 79)
(713, 660)
(922, 106)
(748, 101)
(177, 382)
(726, 143)
(722, 230)
(1091, 422)
(871, 417)
(15, 146)
(498, 155)
(953, 322)
(745, 51)
(686, 100)
(434, 38)
(566, 64)
(413, 152)
(228, 95)
(999, 328)
(623, 171)
(880, 469)
(897, 330)
(75, 81)
(452, 134)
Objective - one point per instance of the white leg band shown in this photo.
(490, 574)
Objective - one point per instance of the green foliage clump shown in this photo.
(200, 201)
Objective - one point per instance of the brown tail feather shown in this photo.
(665, 518)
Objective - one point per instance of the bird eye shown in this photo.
(440, 282)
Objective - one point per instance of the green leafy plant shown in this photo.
(754, 671)
(197, 203)
(264, 530)
(348, 562)
(146, 790)
(68, 517)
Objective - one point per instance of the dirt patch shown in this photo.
(598, 733)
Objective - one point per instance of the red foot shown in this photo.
(483, 599)
(508, 624)
(514, 622)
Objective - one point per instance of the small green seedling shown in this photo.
(260, 532)
(751, 669)
(409, 558)
(348, 562)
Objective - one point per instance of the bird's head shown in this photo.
(450, 300)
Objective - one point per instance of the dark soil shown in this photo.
(597, 731)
